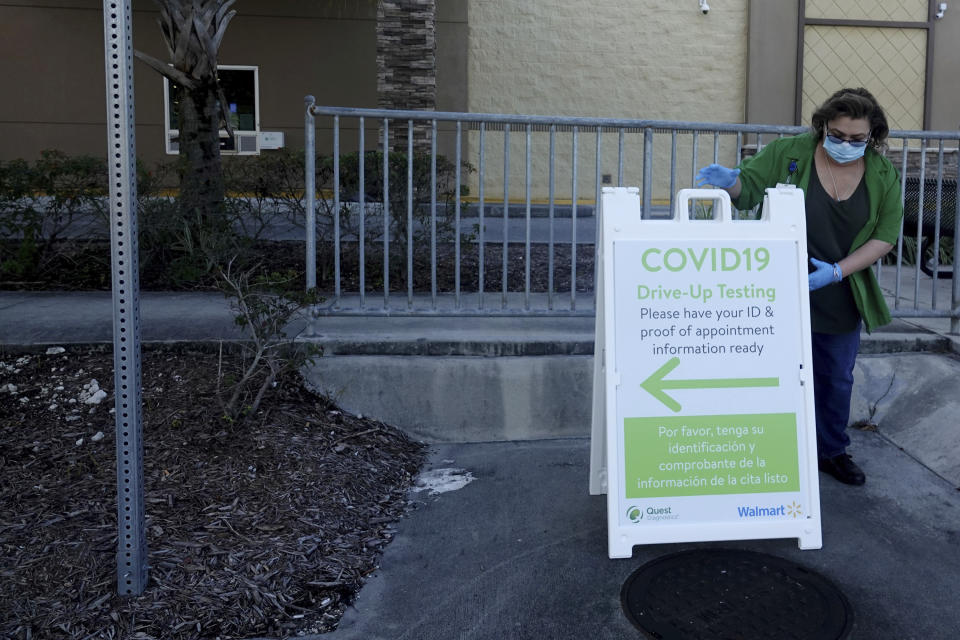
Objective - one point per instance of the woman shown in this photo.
(853, 210)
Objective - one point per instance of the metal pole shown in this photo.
(647, 173)
(481, 245)
(903, 195)
(409, 214)
(552, 185)
(620, 158)
(362, 202)
(506, 214)
(456, 237)
(919, 237)
(310, 185)
(695, 144)
(955, 289)
(527, 238)
(673, 167)
(936, 228)
(122, 157)
(433, 215)
(596, 218)
(386, 213)
(336, 211)
(573, 224)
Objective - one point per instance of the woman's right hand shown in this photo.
(718, 176)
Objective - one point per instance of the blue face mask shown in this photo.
(843, 152)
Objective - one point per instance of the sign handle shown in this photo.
(719, 197)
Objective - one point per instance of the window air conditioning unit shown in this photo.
(243, 143)
(247, 143)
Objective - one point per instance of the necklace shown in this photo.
(836, 191)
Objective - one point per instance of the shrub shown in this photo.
(400, 198)
(264, 304)
(42, 204)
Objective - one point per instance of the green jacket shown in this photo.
(773, 165)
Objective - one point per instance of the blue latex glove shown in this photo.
(718, 176)
(825, 274)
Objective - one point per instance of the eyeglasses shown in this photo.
(853, 142)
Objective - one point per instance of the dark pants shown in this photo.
(833, 358)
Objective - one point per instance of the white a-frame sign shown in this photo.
(703, 415)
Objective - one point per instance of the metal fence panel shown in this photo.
(535, 236)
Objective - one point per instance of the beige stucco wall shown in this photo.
(620, 58)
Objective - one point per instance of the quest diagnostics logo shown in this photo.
(636, 514)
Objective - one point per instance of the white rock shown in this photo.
(79, 442)
(97, 437)
(438, 481)
(52, 407)
(97, 397)
(52, 351)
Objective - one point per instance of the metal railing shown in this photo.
(361, 221)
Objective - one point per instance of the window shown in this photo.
(241, 88)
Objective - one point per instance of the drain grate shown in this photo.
(719, 594)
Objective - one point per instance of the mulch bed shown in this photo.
(266, 527)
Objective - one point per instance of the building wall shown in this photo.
(51, 59)
(945, 100)
(626, 59)
(772, 61)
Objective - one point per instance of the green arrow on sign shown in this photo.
(655, 384)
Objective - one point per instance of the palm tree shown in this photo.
(407, 63)
(192, 32)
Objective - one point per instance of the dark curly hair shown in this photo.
(853, 103)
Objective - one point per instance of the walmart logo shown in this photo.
(793, 510)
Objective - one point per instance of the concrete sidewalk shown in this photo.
(520, 552)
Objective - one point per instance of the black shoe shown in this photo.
(843, 468)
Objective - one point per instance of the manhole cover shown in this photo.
(719, 594)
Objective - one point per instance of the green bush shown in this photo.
(43, 204)
(58, 198)
(264, 191)
(400, 196)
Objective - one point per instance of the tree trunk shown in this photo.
(192, 31)
(201, 187)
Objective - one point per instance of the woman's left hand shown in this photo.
(825, 274)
